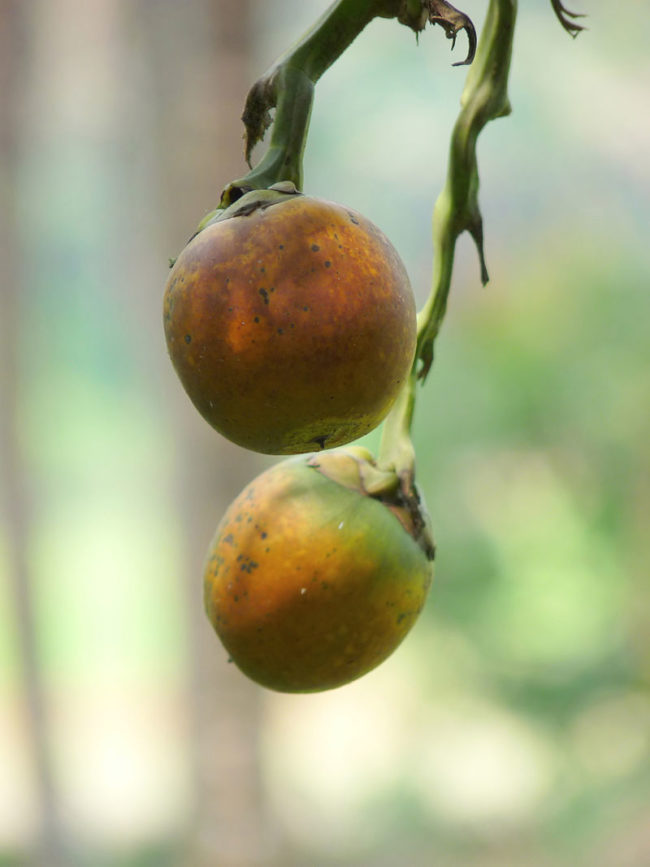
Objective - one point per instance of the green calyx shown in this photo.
(355, 468)
(253, 200)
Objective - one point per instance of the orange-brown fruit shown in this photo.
(292, 325)
(310, 582)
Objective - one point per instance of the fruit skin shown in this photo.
(310, 584)
(292, 328)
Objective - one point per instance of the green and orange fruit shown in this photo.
(311, 581)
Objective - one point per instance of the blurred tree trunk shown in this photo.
(14, 57)
(202, 62)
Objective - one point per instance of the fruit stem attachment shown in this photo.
(291, 90)
(396, 450)
(484, 98)
(288, 85)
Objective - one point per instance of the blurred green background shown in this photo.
(512, 728)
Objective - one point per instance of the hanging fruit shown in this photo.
(291, 323)
(317, 571)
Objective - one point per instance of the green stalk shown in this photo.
(288, 85)
(396, 450)
(484, 98)
(283, 158)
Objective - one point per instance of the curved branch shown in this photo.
(484, 98)
(288, 85)
(312, 54)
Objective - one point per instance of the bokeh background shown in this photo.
(512, 728)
